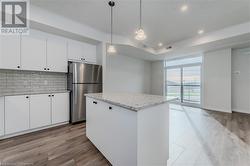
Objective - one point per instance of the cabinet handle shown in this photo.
(49, 95)
(27, 97)
(94, 102)
(47, 68)
(18, 67)
(44, 68)
(52, 95)
(110, 108)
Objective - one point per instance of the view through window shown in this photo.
(183, 80)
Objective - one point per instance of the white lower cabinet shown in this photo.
(40, 110)
(60, 107)
(96, 132)
(107, 126)
(26, 113)
(1, 116)
(126, 137)
(16, 114)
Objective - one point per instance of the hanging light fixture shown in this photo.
(140, 34)
(111, 47)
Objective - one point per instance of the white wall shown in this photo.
(157, 78)
(217, 80)
(127, 74)
(241, 80)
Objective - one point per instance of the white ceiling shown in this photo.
(162, 19)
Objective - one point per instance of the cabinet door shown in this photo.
(90, 53)
(76, 50)
(33, 52)
(9, 52)
(96, 123)
(56, 55)
(1, 116)
(121, 123)
(40, 110)
(107, 126)
(60, 108)
(16, 114)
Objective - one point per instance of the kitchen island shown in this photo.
(129, 129)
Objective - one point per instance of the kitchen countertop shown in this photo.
(132, 101)
(30, 93)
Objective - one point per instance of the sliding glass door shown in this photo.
(174, 83)
(191, 84)
(183, 81)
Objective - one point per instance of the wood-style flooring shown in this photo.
(66, 145)
(197, 138)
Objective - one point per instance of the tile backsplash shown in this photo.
(12, 81)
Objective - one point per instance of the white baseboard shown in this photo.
(218, 110)
(31, 130)
(241, 111)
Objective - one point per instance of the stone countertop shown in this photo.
(31, 93)
(132, 101)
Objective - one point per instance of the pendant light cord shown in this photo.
(140, 13)
(111, 25)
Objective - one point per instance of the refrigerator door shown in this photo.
(78, 100)
(84, 73)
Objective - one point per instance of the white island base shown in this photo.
(129, 137)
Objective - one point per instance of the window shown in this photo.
(185, 61)
(183, 80)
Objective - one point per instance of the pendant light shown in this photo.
(111, 47)
(140, 34)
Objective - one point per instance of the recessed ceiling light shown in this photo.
(159, 44)
(200, 32)
(184, 8)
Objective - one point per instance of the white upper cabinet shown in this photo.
(76, 50)
(90, 52)
(60, 108)
(40, 111)
(56, 54)
(79, 51)
(10, 52)
(1, 116)
(16, 114)
(33, 51)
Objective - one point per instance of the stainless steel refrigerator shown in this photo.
(82, 78)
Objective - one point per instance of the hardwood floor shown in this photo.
(66, 145)
(197, 138)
